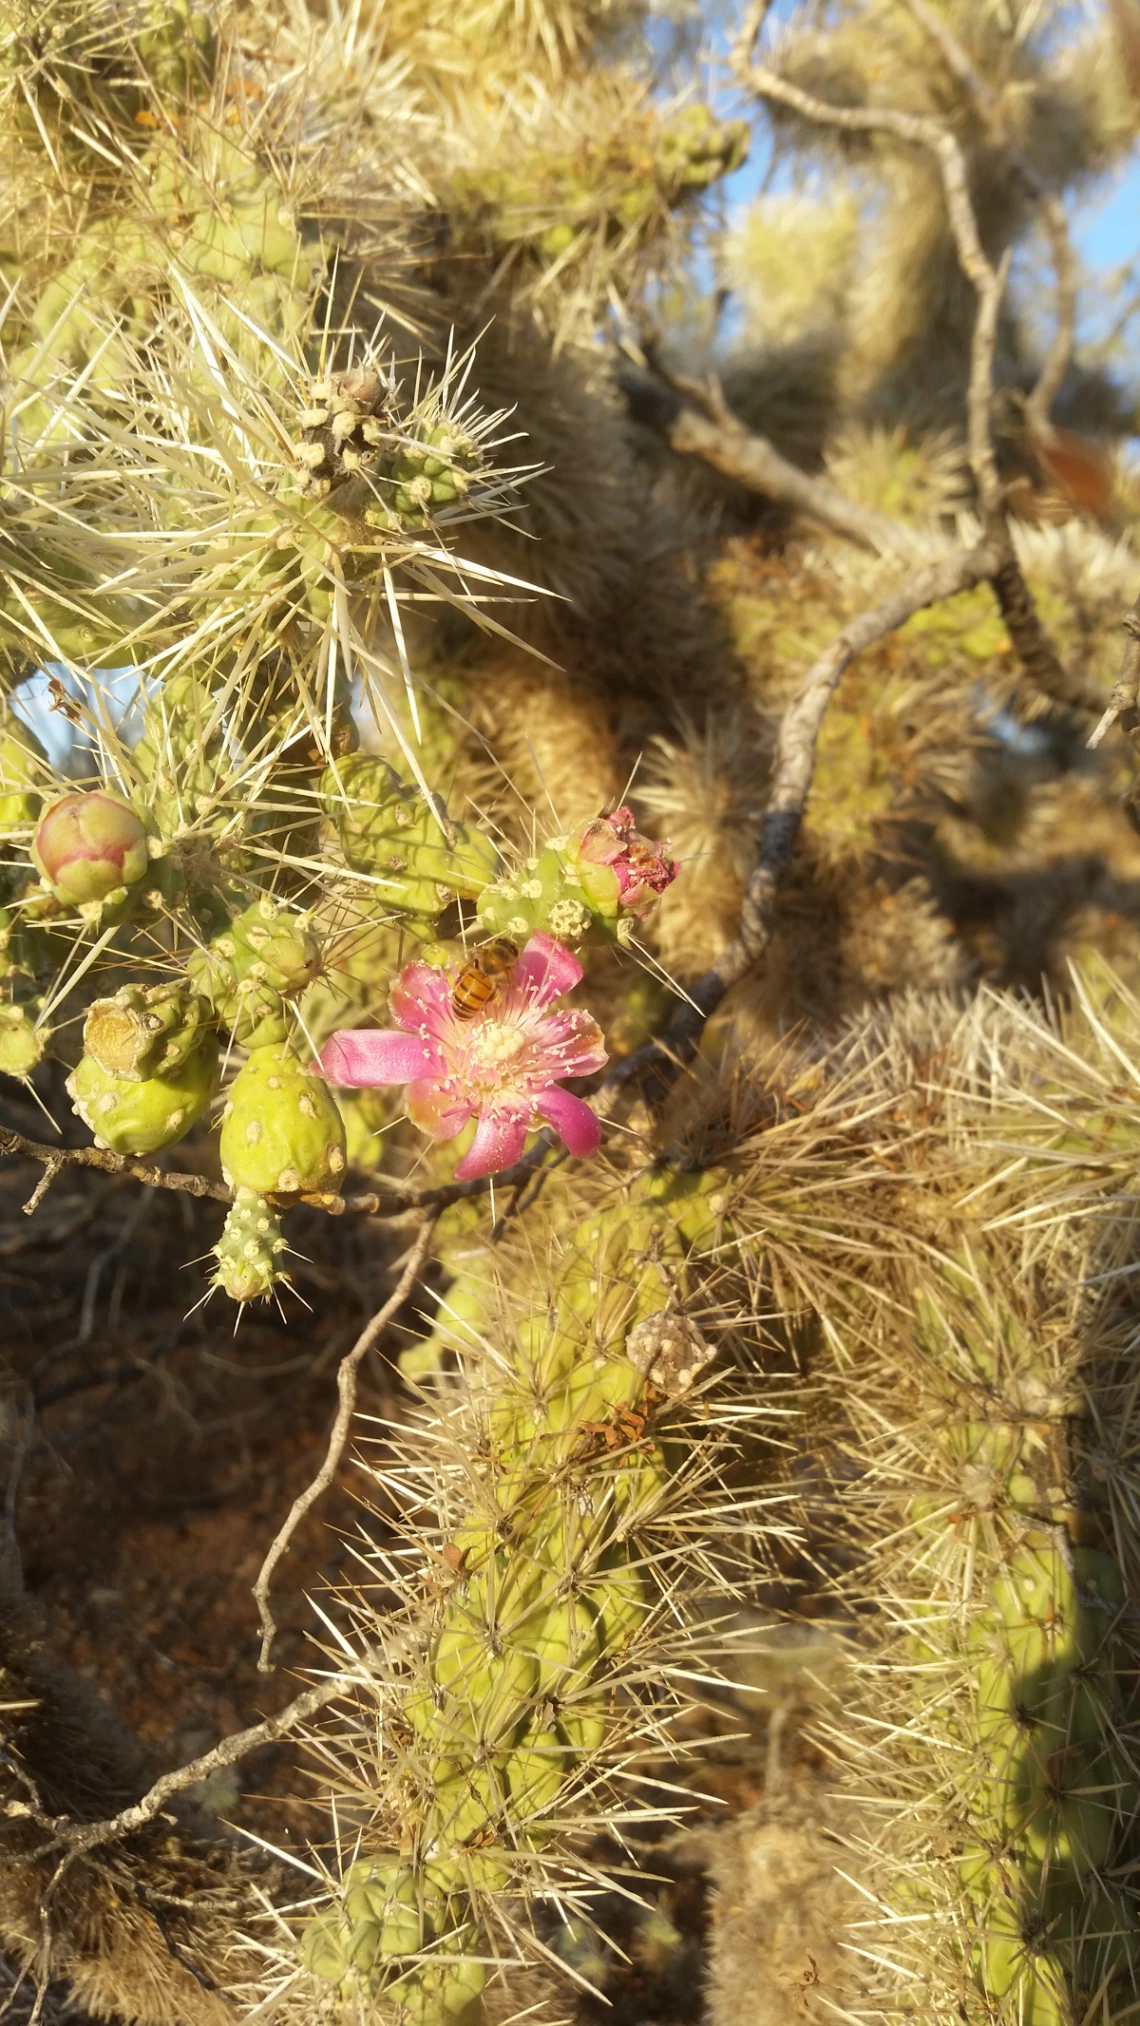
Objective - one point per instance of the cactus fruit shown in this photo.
(419, 859)
(282, 1133)
(249, 1249)
(145, 1031)
(132, 1117)
(263, 958)
(89, 849)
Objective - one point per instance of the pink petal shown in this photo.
(550, 968)
(361, 1057)
(437, 1109)
(499, 1139)
(419, 991)
(573, 1040)
(577, 1126)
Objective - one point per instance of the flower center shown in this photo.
(496, 1046)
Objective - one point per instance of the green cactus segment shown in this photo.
(23, 776)
(1053, 1679)
(403, 1933)
(145, 1031)
(566, 895)
(263, 958)
(419, 859)
(72, 57)
(606, 190)
(131, 1117)
(89, 849)
(249, 1250)
(282, 1133)
(22, 1042)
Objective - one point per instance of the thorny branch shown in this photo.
(346, 1388)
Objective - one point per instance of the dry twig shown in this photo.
(346, 1388)
(791, 783)
(77, 1838)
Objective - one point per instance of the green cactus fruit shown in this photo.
(282, 1133)
(139, 1118)
(23, 775)
(22, 1043)
(386, 830)
(249, 1249)
(145, 1031)
(89, 849)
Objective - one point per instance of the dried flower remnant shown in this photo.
(503, 1067)
(618, 865)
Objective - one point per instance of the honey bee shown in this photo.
(483, 977)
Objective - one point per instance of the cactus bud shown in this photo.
(90, 848)
(144, 1032)
(282, 1132)
(22, 1043)
(131, 1117)
(247, 1251)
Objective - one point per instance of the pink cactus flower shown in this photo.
(502, 1066)
(641, 868)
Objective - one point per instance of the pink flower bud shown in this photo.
(88, 846)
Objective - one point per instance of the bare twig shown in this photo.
(696, 421)
(1049, 207)
(987, 281)
(791, 783)
(1030, 641)
(55, 1158)
(346, 1389)
(51, 1170)
(79, 1837)
(1122, 704)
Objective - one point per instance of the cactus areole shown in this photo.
(90, 847)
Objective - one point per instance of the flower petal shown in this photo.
(418, 992)
(437, 1108)
(577, 1126)
(573, 1042)
(361, 1057)
(549, 968)
(499, 1139)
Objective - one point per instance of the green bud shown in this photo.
(282, 1133)
(22, 1044)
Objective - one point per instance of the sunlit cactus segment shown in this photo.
(419, 858)
(282, 1133)
(248, 1253)
(263, 958)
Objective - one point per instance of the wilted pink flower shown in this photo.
(640, 868)
(501, 1066)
